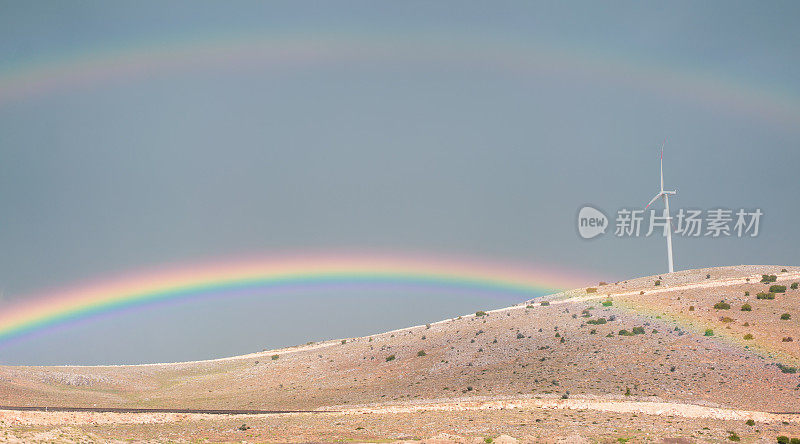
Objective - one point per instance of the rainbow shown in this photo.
(281, 51)
(60, 307)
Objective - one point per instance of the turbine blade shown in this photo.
(662, 164)
(654, 199)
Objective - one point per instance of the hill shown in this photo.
(662, 356)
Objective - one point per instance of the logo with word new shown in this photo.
(591, 222)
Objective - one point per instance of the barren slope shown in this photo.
(523, 351)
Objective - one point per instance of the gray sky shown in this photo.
(456, 128)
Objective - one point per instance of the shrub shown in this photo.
(777, 289)
(344, 341)
(726, 319)
(390, 358)
(748, 337)
(793, 286)
(691, 308)
(657, 283)
(480, 313)
(520, 335)
(421, 353)
(722, 305)
(275, 357)
(734, 437)
(627, 391)
(765, 296)
(746, 307)
(783, 270)
(783, 439)
(747, 293)
(787, 369)
(766, 278)
(708, 276)
(545, 303)
(638, 330)
(624, 332)
(786, 317)
(787, 339)
(794, 441)
(598, 321)
(591, 290)
(750, 422)
(243, 427)
(708, 332)
(607, 303)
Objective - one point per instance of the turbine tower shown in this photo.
(665, 195)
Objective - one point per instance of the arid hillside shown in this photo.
(712, 338)
(561, 348)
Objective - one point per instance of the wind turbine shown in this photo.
(665, 195)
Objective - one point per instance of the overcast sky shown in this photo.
(455, 128)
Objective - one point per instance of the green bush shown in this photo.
(591, 290)
(421, 353)
(545, 303)
(390, 358)
(786, 317)
(624, 332)
(777, 289)
(783, 439)
(767, 278)
(750, 422)
(793, 286)
(722, 305)
(480, 313)
(794, 441)
(657, 283)
(748, 337)
(709, 332)
(734, 437)
(787, 369)
(765, 296)
(746, 307)
(638, 330)
(607, 303)
(598, 321)
(275, 357)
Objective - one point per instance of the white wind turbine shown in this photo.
(665, 195)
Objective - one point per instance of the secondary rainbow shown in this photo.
(88, 68)
(52, 309)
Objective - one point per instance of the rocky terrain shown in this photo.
(696, 356)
